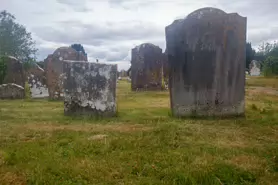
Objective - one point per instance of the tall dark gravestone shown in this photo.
(146, 67)
(206, 57)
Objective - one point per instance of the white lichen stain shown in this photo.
(105, 71)
(79, 90)
(12, 84)
(200, 15)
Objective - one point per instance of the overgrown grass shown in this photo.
(143, 145)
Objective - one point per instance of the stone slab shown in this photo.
(90, 89)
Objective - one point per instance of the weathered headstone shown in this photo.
(165, 69)
(255, 68)
(14, 72)
(11, 91)
(54, 69)
(37, 82)
(146, 67)
(90, 89)
(206, 53)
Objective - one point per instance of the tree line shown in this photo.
(267, 54)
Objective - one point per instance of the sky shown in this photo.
(109, 29)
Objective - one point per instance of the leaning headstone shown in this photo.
(255, 68)
(14, 72)
(37, 82)
(54, 69)
(11, 91)
(146, 67)
(206, 53)
(90, 89)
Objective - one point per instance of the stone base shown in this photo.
(11, 91)
(209, 111)
(74, 109)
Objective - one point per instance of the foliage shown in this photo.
(28, 64)
(259, 56)
(27, 91)
(3, 68)
(14, 39)
(79, 48)
(250, 53)
(265, 48)
(270, 66)
(274, 51)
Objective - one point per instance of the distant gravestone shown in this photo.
(90, 89)
(165, 69)
(54, 69)
(206, 53)
(11, 91)
(37, 82)
(14, 72)
(146, 67)
(255, 68)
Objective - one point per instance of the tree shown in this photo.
(270, 66)
(14, 39)
(250, 53)
(79, 48)
(274, 50)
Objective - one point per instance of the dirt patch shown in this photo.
(265, 90)
(88, 127)
(12, 179)
(247, 162)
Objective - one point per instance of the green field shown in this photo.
(143, 145)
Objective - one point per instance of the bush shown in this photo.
(270, 66)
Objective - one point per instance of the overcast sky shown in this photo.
(108, 29)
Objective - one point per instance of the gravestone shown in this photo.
(37, 82)
(165, 70)
(206, 53)
(54, 69)
(90, 89)
(11, 91)
(14, 72)
(146, 67)
(255, 68)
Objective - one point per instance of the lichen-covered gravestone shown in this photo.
(54, 69)
(90, 89)
(14, 71)
(11, 91)
(146, 67)
(37, 82)
(206, 53)
(255, 68)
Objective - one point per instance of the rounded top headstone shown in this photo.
(63, 50)
(202, 12)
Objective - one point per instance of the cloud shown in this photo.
(101, 33)
(76, 5)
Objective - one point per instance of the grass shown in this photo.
(143, 145)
